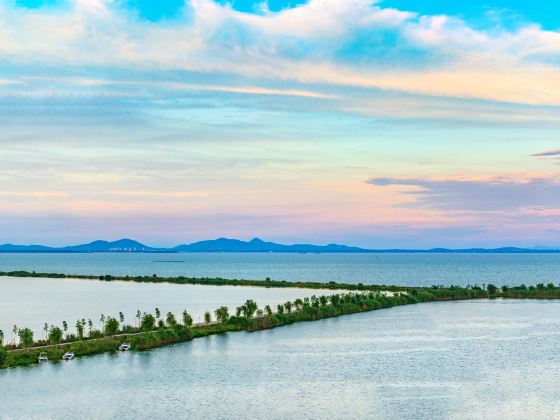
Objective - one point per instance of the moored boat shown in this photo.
(124, 347)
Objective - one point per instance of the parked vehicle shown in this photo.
(68, 356)
(43, 357)
(124, 347)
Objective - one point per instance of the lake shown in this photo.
(400, 269)
(474, 359)
(30, 302)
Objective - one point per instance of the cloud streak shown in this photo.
(489, 195)
(547, 153)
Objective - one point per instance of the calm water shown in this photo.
(30, 302)
(483, 359)
(401, 269)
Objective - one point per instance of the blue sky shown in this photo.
(544, 12)
(383, 124)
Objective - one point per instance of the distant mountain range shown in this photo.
(122, 245)
(254, 246)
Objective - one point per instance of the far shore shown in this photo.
(215, 281)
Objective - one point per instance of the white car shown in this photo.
(43, 358)
(124, 347)
(68, 356)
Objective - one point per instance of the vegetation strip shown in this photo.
(152, 331)
(211, 281)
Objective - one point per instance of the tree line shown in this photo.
(153, 329)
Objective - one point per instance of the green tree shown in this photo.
(80, 329)
(138, 317)
(121, 317)
(187, 319)
(64, 326)
(222, 314)
(25, 337)
(170, 319)
(1, 338)
(250, 308)
(45, 331)
(55, 335)
(207, 318)
(90, 325)
(158, 314)
(268, 310)
(111, 326)
(288, 307)
(148, 322)
(491, 289)
(15, 331)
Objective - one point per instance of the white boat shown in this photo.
(68, 356)
(43, 358)
(124, 347)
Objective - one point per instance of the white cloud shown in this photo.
(304, 44)
(318, 19)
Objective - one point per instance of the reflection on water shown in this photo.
(476, 359)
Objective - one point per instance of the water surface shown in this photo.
(400, 269)
(475, 359)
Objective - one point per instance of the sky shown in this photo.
(390, 123)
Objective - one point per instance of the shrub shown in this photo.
(491, 289)
(3, 355)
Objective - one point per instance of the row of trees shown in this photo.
(109, 326)
(314, 306)
(144, 322)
